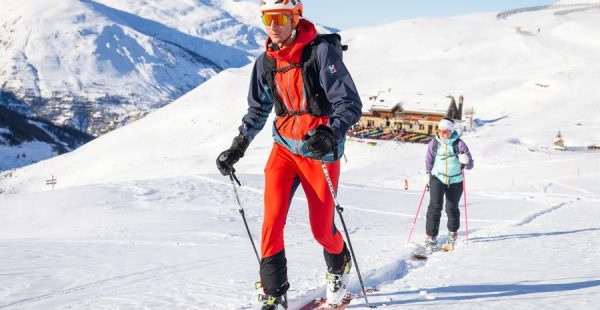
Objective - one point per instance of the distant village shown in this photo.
(400, 123)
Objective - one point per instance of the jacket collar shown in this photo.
(448, 141)
(292, 53)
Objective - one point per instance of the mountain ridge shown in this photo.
(90, 66)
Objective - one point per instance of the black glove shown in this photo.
(320, 141)
(231, 156)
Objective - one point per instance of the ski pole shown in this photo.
(339, 211)
(234, 179)
(417, 215)
(465, 195)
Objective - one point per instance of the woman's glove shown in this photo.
(426, 178)
(463, 158)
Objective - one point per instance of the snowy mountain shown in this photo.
(24, 140)
(96, 65)
(140, 218)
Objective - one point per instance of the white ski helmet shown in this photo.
(446, 124)
(292, 6)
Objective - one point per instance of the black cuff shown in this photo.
(338, 132)
(273, 274)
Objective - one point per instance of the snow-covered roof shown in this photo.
(418, 102)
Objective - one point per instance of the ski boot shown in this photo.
(430, 246)
(337, 285)
(427, 250)
(449, 245)
(275, 303)
(270, 302)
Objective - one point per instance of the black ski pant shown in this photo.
(437, 191)
(273, 270)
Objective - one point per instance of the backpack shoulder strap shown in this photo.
(318, 103)
(455, 146)
(435, 146)
(269, 74)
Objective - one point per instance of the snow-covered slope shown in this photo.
(24, 141)
(96, 65)
(231, 23)
(141, 219)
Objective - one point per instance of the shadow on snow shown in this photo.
(484, 291)
(530, 235)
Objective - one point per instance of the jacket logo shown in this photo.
(332, 69)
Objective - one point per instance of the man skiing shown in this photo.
(310, 126)
(446, 156)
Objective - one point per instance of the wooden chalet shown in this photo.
(396, 118)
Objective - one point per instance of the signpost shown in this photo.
(51, 182)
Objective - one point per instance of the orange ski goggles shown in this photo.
(279, 19)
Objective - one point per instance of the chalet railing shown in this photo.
(587, 8)
(576, 6)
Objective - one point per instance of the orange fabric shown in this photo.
(289, 85)
(293, 53)
(282, 167)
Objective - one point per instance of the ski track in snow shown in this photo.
(407, 215)
(537, 215)
(391, 272)
(100, 287)
(300, 197)
(104, 285)
(398, 269)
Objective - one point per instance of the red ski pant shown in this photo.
(282, 173)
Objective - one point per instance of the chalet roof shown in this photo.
(387, 101)
(385, 108)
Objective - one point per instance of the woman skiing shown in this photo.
(446, 156)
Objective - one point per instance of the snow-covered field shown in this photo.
(140, 219)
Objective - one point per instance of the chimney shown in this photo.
(461, 99)
(452, 109)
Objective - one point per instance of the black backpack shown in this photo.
(317, 100)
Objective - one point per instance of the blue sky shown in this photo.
(344, 14)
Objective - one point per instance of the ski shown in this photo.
(321, 303)
(421, 255)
